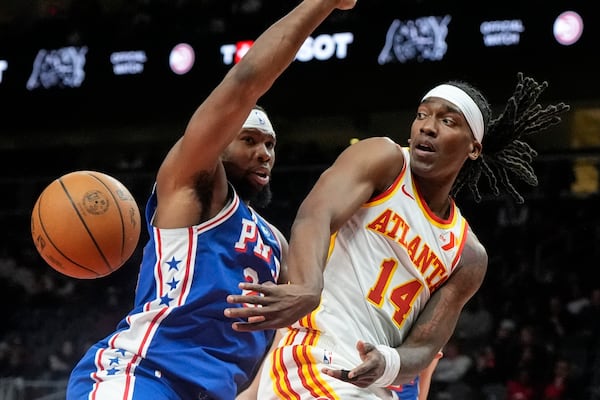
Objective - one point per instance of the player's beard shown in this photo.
(249, 194)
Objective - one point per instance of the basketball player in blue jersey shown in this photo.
(205, 237)
(381, 260)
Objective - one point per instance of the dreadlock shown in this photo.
(505, 153)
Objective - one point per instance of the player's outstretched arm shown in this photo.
(217, 121)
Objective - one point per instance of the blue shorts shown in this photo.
(144, 385)
(409, 391)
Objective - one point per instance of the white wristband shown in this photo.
(392, 366)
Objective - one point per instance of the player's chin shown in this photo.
(257, 186)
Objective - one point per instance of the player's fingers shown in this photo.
(243, 312)
(243, 299)
(344, 374)
(255, 319)
(265, 288)
(349, 376)
(364, 347)
(255, 326)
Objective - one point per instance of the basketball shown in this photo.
(85, 224)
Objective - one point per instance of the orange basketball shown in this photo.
(85, 224)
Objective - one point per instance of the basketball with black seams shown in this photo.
(85, 224)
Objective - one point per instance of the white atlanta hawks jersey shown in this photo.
(383, 266)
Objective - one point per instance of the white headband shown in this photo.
(259, 120)
(465, 104)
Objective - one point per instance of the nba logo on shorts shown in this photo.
(327, 357)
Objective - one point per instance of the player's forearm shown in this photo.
(413, 361)
(433, 328)
(309, 243)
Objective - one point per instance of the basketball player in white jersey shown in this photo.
(381, 259)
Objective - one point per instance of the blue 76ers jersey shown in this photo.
(177, 331)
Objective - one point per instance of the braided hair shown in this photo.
(504, 153)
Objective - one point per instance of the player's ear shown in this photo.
(475, 150)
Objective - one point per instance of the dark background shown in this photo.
(544, 250)
(356, 84)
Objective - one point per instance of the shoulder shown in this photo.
(377, 157)
(382, 148)
(281, 239)
(382, 142)
(278, 234)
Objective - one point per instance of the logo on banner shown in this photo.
(568, 28)
(58, 68)
(502, 33)
(323, 47)
(128, 62)
(182, 58)
(422, 39)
